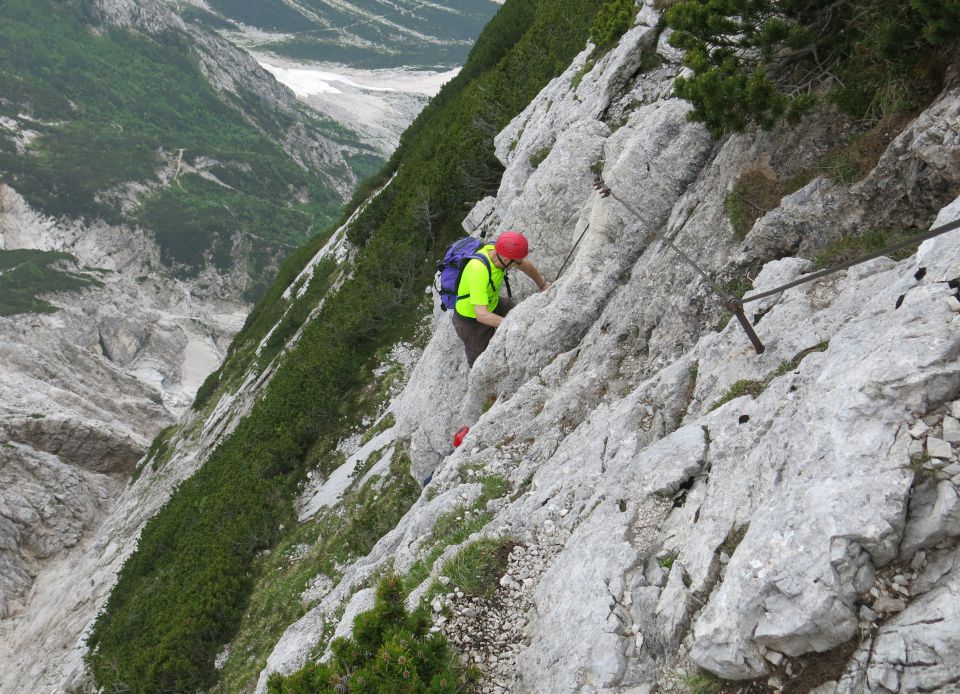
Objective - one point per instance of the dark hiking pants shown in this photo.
(474, 334)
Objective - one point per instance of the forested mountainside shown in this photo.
(122, 112)
(644, 502)
(360, 33)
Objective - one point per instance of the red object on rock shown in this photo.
(458, 437)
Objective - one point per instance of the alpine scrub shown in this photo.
(760, 61)
(390, 651)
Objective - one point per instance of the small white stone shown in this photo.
(774, 657)
(955, 409)
(938, 448)
(868, 615)
(639, 642)
(887, 605)
(919, 430)
(951, 430)
(444, 580)
(564, 512)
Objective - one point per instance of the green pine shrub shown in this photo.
(756, 62)
(612, 21)
(390, 652)
(941, 17)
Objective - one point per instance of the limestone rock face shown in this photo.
(46, 507)
(681, 501)
(683, 527)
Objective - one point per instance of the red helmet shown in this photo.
(512, 245)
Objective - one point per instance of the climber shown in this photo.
(478, 315)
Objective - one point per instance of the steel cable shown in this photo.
(734, 304)
(919, 238)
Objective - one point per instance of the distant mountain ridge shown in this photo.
(361, 33)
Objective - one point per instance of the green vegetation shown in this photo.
(477, 568)
(923, 466)
(702, 682)
(183, 593)
(738, 287)
(112, 108)
(390, 651)
(26, 275)
(792, 365)
(852, 246)
(754, 388)
(755, 194)
(456, 526)
(613, 20)
(537, 158)
(757, 61)
(739, 389)
(581, 73)
(158, 453)
(318, 547)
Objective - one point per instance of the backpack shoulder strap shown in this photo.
(482, 257)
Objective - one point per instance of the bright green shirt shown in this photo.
(476, 283)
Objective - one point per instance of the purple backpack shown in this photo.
(450, 270)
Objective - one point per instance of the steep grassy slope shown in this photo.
(182, 594)
(100, 122)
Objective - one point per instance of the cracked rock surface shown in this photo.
(759, 536)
